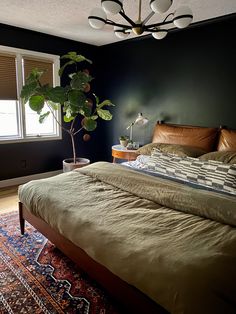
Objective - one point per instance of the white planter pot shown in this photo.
(69, 165)
(124, 143)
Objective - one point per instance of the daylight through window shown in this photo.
(18, 122)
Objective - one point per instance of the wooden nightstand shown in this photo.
(120, 152)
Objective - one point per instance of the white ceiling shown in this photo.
(69, 18)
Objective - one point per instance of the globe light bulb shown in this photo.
(183, 17)
(97, 18)
(112, 7)
(159, 33)
(160, 6)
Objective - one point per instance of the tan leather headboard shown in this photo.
(201, 137)
(227, 140)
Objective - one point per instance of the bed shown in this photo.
(157, 244)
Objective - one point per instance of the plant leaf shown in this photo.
(53, 105)
(89, 124)
(76, 98)
(62, 68)
(104, 114)
(43, 116)
(86, 110)
(36, 103)
(34, 75)
(69, 55)
(79, 80)
(71, 75)
(66, 119)
(57, 95)
(68, 112)
(27, 91)
(44, 90)
(72, 55)
(106, 102)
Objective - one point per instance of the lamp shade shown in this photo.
(183, 17)
(120, 33)
(159, 33)
(141, 120)
(112, 6)
(160, 6)
(97, 18)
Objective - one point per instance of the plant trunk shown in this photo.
(73, 146)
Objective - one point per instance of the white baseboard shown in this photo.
(21, 180)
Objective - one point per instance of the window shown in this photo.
(18, 123)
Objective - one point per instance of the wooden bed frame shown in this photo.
(127, 298)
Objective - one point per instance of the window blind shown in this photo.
(43, 65)
(8, 83)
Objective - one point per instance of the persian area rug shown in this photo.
(35, 277)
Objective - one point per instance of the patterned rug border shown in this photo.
(53, 283)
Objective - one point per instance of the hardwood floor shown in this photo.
(8, 199)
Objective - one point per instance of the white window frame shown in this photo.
(22, 137)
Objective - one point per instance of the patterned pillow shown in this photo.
(213, 174)
(176, 149)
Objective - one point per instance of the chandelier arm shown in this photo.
(168, 16)
(127, 18)
(109, 22)
(148, 17)
(183, 16)
(153, 30)
(122, 10)
(146, 27)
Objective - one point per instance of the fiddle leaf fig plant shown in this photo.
(80, 112)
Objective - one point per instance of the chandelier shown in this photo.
(181, 18)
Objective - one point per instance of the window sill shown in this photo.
(17, 140)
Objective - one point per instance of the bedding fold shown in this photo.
(208, 204)
(148, 231)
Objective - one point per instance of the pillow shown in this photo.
(146, 149)
(211, 174)
(201, 137)
(227, 157)
(176, 149)
(227, 140)
(140, 162)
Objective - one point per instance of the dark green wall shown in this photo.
(187, 78)
(46, 155)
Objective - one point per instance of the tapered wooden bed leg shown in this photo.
(21, 219)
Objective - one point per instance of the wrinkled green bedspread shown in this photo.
(175, 243)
